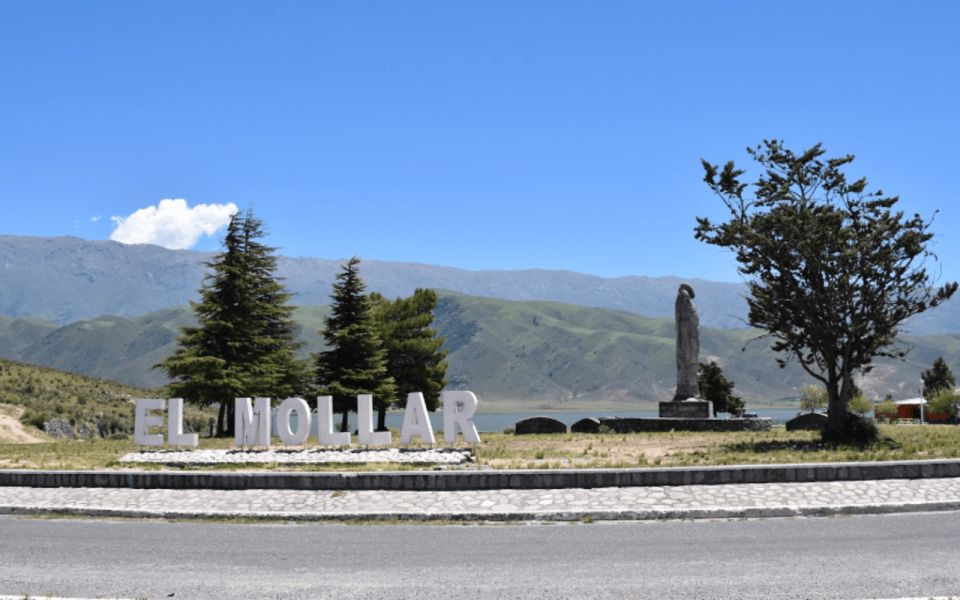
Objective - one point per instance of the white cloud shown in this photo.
(172, 223)
(95, 219)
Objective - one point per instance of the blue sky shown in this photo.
(560, 135)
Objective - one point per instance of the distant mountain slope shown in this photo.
(532, 354)
(66, 279)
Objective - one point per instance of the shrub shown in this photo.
(943, 402)
(860, 405)
(886, 410)
(34, 418)
(812, 397)
(857, 430)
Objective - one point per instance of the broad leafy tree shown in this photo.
(716, 388)
(886, 410)
(938, 377)
(832, 269)
(812, 398)
(356, 362)
(244, 342)
(415, 355)
(943, 403)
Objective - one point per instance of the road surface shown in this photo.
(890, 556)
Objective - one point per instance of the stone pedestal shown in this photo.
(687, 409)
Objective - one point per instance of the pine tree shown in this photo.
(715, 387)
(937, 378)
(244, 343)
(356, 361)
(415, 355)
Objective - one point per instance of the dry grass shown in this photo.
(13, 431)
(504, 451)
(508, 451)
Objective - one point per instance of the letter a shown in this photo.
(416, 420)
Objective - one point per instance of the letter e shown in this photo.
(144, 420)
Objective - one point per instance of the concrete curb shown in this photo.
(484, 480)
(521, 516)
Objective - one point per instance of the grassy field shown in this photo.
(507, 451)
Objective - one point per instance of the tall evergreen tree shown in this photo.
(415, 355)
(244, 343)
(937, 378)
(356, 361)
(715, 387)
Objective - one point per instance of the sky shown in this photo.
(475, 134)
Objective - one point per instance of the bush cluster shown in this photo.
(47, 394)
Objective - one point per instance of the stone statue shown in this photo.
(688, 344)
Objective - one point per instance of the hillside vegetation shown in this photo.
(102, 408)
(516, 355)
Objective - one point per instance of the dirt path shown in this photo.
(12, 430)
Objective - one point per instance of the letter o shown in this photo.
(299, 406)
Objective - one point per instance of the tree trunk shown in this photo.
(836, 410)
(344, 421)
(381, 418)
(221, 426)
(230, 419)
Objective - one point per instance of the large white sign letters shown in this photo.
(252, 421)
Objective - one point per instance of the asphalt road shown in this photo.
(906, 555)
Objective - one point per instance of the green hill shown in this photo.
(525, 355)
(47, 394)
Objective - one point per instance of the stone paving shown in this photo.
(437, 456)
(678, 502)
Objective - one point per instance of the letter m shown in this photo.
(251, 422)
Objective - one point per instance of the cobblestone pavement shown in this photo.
(680, 502)
(448, 456)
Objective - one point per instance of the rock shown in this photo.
(807, 422)
(687, 409)
(86, 432)
(59, 428)
(539, 425)
(586, 425)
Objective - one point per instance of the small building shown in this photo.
(916, 408)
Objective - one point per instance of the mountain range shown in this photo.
(531, 354)
(554, 339)
(66, 279)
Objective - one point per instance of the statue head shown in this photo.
(689, 290)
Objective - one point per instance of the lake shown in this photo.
(497, 422)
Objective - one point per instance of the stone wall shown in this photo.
(620, 425)
(485, 480)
